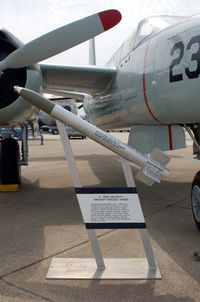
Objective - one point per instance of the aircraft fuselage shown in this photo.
(157, 80)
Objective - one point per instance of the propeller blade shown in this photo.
(61, 39)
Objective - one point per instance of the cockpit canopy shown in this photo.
(151, 25)
(146, 28)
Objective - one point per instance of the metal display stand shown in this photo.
(100, 268)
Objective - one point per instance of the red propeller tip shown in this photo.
(110, 18)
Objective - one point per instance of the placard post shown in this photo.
(77, 183)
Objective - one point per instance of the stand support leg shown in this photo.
(143, 233)
(77, 184)
(96, 249)
(148, 249)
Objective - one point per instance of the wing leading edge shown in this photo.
(85, 79)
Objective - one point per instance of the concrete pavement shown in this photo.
(43, 220)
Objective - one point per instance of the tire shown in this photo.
(195, 199)
(10, 169)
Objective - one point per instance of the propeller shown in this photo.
(61, 39)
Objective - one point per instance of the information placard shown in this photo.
(105, 208)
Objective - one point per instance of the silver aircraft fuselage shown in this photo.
(157, 79)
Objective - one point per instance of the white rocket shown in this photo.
(153, 165)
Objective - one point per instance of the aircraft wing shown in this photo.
(85, 79)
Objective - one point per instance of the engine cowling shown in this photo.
(13, 109)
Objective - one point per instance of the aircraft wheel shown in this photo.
(10, 172)
(195, 199)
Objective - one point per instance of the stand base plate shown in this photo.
(115, 268)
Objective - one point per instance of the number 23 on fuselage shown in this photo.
(175, 72)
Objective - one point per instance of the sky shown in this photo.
(29, 19)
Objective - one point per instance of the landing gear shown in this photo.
(194, 132)
(195, 199)
(11, 160)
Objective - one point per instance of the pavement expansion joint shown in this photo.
(25, 290)
(167, 207)
(51, 256)
(41, 260)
